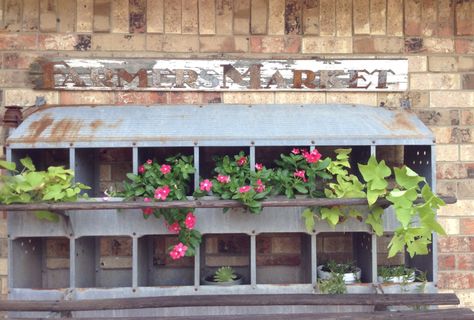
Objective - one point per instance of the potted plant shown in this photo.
(395, 274)
(224, 276)
(335, 284)
(350, 273)
(29, 185)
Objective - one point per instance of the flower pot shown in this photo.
(209, 280)
(349, 278)
(399, 279)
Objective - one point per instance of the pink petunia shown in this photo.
(205, 185)
(260, 186)
(295, 151)
(300, 174)
(141, 169)
(223, 179)
(174, 227)
(147, 211)
(165, 169)
(245, 189)
(313, 156)
(178, 251)
(190, 220)
(242, 161)
(162, 193)
(258, 166)
(149, 161)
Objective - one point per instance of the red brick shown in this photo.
(378, 45)
(211, 97)
(57, 248)
(185, 97)
(264, 245)
(16, 60)
(464, 24)
(146, 98)
(464, 45)
(472, 244)
(456, 280)
(467, 225)
(17, 41)
(413, 18)
(468, 81)
(80, 97)
(265, 44)
(450, 244)
(446, 262)
(450, 171)
(465, 261)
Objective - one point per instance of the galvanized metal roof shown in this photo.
(217, 124)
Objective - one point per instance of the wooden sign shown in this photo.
(221, 75)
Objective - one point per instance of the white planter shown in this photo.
(349, 278)
(400, 279)
(208, 281)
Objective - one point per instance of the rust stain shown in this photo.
(401, 121)
(65, 129)
(96, 124)
(36, 128)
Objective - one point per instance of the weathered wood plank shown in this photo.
(233, 300)
(272, 75)
(274, 202)
(443, 314)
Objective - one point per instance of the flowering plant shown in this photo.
(235, 180)
(166, 182)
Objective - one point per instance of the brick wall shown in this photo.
(437, 37)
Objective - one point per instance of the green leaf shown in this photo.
(10, 166)
(47, 215)
(374, 171)
(374, 219)
(331, 215)
(396, 245)
(300, 188)
(407, 178)
(308, 217)
(28, 163)
(35, 179)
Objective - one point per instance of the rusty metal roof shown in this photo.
(217, 124)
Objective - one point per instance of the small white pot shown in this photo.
(401, 279)
(349, 278)
(208, 280)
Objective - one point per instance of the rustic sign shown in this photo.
(221, 75)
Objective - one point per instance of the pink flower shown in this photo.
(242, 161)
(258, 166)
(149, 161)
(313, 156)
(147, 211)
(162, 193)
(223, 179)
(245, 189)
(260, 186)
(205, 185)
(165, 169)
(178, 251)
(174, 227)
(190, 220)
(295, 151)
(300, 174)
(141, 169)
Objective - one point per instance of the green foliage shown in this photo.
(55, 184)
(334, 285)
(339, 268)
(388, 272)
(374, 173)
(236, 181)
(175, 174)
(225, 274)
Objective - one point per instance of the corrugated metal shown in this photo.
(217, 124)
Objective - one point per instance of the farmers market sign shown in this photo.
(221, 75)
